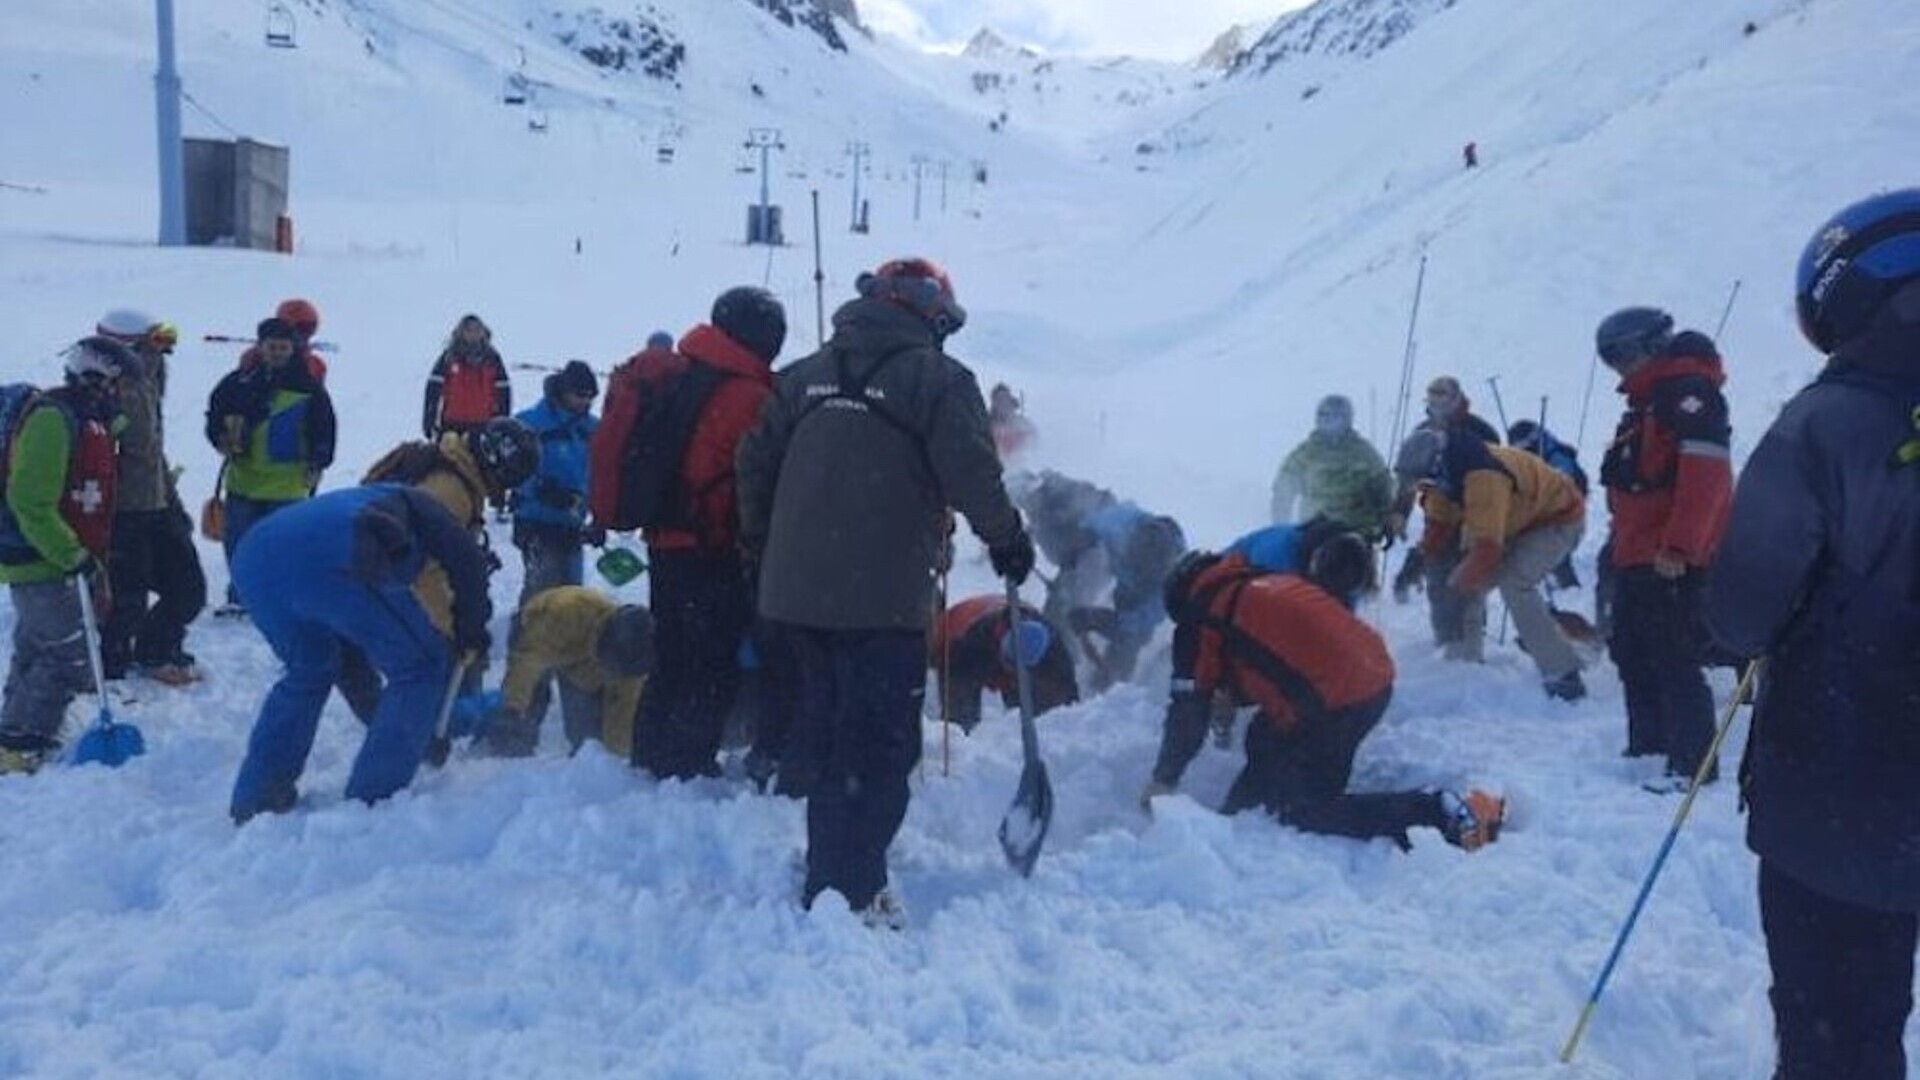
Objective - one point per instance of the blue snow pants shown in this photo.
(305, 614)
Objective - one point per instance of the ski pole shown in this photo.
(234, 339)
(946, 680)
(1493, 382)
(1586, 403)
(819, 278)
(1660, 859)
(1732, 295)
(1406, 357)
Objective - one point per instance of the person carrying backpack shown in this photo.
(55, 532)
(274, 424)
(469, 384)
(1669, 481)
(1321, 680)
(1819, 574)
(844, 488)
(550, 509)
(153, 551)
(673, 423)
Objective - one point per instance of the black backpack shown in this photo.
(652, 494)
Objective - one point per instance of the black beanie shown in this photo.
(276, 328)
(626, 642)
(575, 378)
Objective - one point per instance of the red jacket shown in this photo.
(1278, 642)
(707, 469)
(1668, 474)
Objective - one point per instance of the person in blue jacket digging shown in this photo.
(359, 553)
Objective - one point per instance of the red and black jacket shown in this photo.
(1276, 641)
(1668, 473)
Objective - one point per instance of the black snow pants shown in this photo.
(701, 611)
(1656, 646)
(152, 553)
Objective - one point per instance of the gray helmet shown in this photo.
(1631, 335)
(1419, 456)
(625, 646)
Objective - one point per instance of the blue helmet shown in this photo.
(1854, 262)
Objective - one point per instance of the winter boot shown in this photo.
(1568, 687)
(885, 912)
(1471, 821)
(23, 754)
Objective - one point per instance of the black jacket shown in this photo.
(841, 490)
(1820, 573)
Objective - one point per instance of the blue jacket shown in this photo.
(556, 495)
(1820, 574)
(1277, 548)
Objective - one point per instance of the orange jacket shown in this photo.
(1668, 476)
(1279, 642)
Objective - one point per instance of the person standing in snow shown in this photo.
(56, 528)
(274, 424)
(1334, 472)
(1013, 432)
(550, 521)
(1669, 484)
(1448, 411)
(1820, 575)
(1504, 519)
(469, 384)
(153, 548)
(701, 607)
(843, 491)
(1320, 678)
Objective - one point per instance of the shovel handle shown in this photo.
(91, 624)
(1023, 678)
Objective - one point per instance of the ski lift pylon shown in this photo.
(280, 26)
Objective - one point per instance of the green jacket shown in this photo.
(1341, 476)
(276, 428)
(37, 478)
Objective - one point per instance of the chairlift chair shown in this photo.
(537, 121)
(515, 91)
(280, 27)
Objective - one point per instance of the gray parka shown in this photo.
(842, 492)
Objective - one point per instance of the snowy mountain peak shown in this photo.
(1224, 53)
(987, 45)
(1353, 29)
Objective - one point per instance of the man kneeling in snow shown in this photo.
(972, 651)
(1321, 679)
(600, 652)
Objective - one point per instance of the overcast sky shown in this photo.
(1163, 29)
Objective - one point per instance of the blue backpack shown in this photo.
(16, 400)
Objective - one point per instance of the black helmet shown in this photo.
(1854, 263)
(1178, 589)
(506, 450)
(1632, 334)
(752, 317)
(1342, 565)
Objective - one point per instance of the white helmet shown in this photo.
(127, 325)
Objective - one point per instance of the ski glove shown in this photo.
(1013, 560)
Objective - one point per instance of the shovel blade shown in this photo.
(1024, 828)
(110, 744)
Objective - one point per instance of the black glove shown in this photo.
(1013, 560)
(88, 567)
(472, 640)
(594, 536)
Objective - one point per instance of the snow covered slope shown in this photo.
(1172, 316)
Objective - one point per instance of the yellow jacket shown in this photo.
(556, 633)
(1500, 505)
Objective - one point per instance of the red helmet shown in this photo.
(920, 286)
(301, 313)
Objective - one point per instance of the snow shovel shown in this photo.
(1024, 828)
(107, 742)
(619, 565)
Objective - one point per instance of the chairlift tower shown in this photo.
(763, 221)
(166, 96)
(919, 167)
